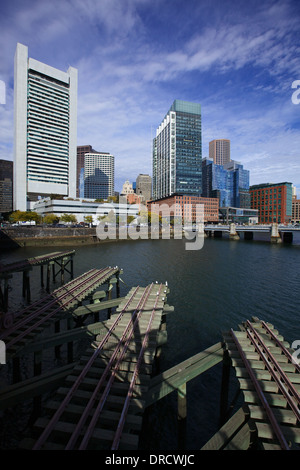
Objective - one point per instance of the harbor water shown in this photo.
(212, 290)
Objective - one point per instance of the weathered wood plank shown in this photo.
(227, 431)
(282, 415)
(17, 393)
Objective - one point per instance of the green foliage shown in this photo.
(147, 217)
(112, 199)
(56, 196)
(88, 219)
(25, 216)
(68, 218)
(51, 219)
(130, 218)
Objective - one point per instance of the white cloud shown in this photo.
(132, 64)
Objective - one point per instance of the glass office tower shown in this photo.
(229, 183)
(177, 152)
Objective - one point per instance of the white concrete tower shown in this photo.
(45, 130)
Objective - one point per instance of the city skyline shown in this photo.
(134, 58)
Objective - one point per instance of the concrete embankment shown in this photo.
(12, 237)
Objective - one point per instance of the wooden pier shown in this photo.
(99, 401)
(269, 378)
(29, 322)
(61, 260)
(102, 401)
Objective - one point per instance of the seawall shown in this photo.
(12, 237)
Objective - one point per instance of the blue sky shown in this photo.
(237, 58)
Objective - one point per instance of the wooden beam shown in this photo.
(98, 306)
(181, 415)
(173, 378)
(17, 393)
(62, 338)
(227, 431)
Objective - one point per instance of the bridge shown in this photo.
(277, 233)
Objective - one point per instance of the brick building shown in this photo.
(185, 206)
(295, 210)
(273, 202)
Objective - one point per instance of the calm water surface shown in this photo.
(212, 290)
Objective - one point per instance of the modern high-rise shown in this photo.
(45, 133)
(99, 175)
(177, 152)
(81, 151)
(6, 186)
(219, 151)
(229, 183)
(144, 186)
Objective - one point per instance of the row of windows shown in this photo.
(47, 89)
(41, 113)
(266, 191)
(50, 103)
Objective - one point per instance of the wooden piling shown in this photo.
(181, 415)
(26, 285)
(37, 370)
(224, 388)
(42, 275)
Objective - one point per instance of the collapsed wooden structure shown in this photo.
(98, 399)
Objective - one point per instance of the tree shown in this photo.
(112, 199)
(148, 217)
(130, 218)
(51, 219)
(68, 218)
(15, 216)
(88, 219)
(25, 216)
(33, 216)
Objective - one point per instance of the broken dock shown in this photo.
(99, 397)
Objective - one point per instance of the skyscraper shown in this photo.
(177, 152)
(219, 151)
(229, 183)
(144, 186)
(99, 175)
(81, 151)
(6, 186)
(45, 134)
